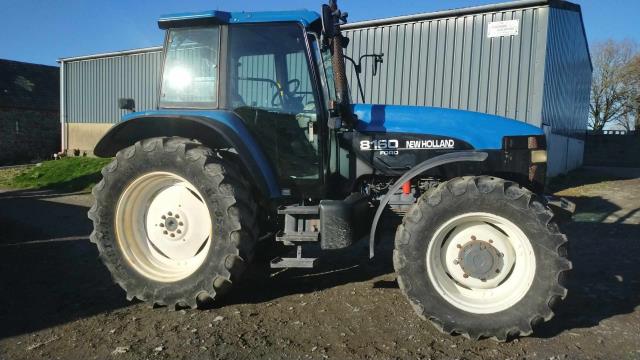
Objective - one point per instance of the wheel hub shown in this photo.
(480, 260)
(164, 226)
(471, 260)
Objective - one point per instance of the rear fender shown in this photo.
(225, 132)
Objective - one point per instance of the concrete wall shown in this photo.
(28, 135)
(84, 136)
(565, 153)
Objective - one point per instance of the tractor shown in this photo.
(255, 137)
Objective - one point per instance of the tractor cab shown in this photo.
(266, 68)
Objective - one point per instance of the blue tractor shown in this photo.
(255, 134)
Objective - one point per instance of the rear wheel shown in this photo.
(173, 222)
(481, 256)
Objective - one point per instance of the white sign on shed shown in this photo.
(503, 28)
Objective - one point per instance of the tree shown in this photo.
(632, 81)
(611, 94)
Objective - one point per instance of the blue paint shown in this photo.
(230, 120)
(305, 17)
(482, 131)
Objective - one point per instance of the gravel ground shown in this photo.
(58, 301)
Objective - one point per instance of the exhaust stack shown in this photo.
(332, 18)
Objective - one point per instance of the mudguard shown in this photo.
(215, 128)
(415, 171)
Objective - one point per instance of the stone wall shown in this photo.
(612, 150)
(28, 135)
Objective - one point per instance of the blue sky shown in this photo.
(42, 31)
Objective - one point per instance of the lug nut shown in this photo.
(473, 237)
(465, 276)
(497, 271)
(180, 223)
(169, 213)
(172, 235)
(490, 241)
(456, 262)
(165, 232)
(163, 217)
(459, 246)
(179, 231)
(161, 225)
(177, 216)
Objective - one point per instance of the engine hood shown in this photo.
(482, 131)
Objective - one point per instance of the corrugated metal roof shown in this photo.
(511, 5)
(111, 54)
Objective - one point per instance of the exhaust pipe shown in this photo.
(332, 18)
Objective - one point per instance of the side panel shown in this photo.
(395, 153)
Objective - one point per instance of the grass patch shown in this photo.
(67, 174)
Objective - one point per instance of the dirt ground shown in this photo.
(57, 301)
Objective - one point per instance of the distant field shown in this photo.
(68, 174)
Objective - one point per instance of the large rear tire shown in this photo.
(174, 222)
(481, 256)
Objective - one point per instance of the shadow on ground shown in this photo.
(49, 271)
(605, 280)
(45, 284)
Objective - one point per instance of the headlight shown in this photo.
(538, 156)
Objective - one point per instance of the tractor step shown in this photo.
(298, 237)
(301, 224)
(293, 262)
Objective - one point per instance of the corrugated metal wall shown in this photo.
(451, 63)
(93, 86)
(567, 75)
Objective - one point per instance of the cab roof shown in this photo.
(304, 17)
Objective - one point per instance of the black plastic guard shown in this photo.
(343, 222)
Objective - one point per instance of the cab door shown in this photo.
(270, 88)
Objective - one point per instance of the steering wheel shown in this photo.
(282, 92)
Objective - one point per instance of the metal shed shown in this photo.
(91, 86)
(527, 60)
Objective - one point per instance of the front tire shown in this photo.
(173, 222)
(481, 256)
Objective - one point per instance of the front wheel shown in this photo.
(173, 221)
(481, 256)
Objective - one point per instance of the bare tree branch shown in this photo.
(612, 89)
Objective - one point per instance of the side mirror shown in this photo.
(127, 104)
(328, 22)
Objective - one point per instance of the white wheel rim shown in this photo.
(163, 226)
(508, 260)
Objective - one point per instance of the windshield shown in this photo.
(190, 76)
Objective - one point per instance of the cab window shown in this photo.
(190, 76)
